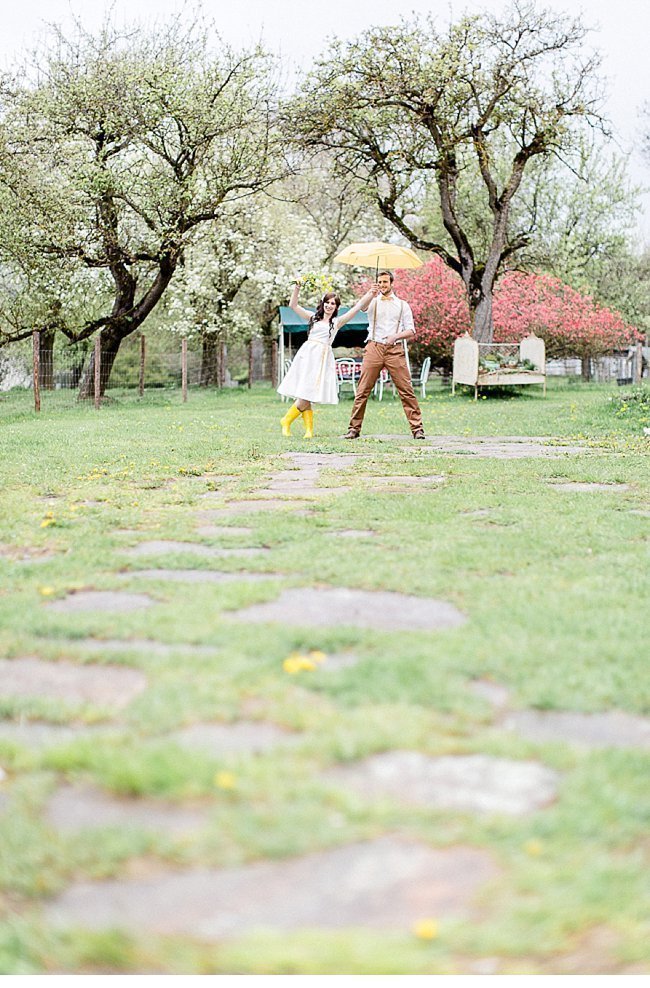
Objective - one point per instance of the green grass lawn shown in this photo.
(555, 586)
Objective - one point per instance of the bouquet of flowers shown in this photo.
(315, 285)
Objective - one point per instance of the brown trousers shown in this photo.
(375, 357)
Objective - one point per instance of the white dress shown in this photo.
(312, 373)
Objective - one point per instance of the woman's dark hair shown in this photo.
(320, 309)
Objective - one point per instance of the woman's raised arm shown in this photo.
(293, 304)
(362, 303)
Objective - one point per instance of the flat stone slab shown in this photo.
(241, 736)
(331, 461)
(103, 646)
(353, 533)
(213, 531)
(74, 808)
(101, 601)
(471, 783)
(300, 490)
(160, 547)
(495, 447)
(199, 575)
(38, 734)
(611, 729)
(495, 694)
(23, 554)
(250, 507)
(385, 884)
(405, 481)
(340, 660)
(113, 686)
(382, 610)
(580, 486)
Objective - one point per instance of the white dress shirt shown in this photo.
(388, 315)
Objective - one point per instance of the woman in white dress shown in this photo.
(312, 374)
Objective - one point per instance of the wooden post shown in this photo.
(638, 363)
(98, 369)
(274, 363)
(223, 357)
(250, 363)
(184, 367)
(143, 352)
(37, 370)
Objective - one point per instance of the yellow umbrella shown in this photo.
(378, 254)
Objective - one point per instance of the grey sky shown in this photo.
(298, 29)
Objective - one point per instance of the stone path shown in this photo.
(303, 478)
(250, 506)
(472, 783)
(80, 807)
(113, 686)
(148, 646)
(37, 734)
(386, 884)
(389, 883)
(199, 575)
(215, 531)
(380, 610)
(241, 736)
(161, 547)
(494, 447)
(572, 486)
(609, 729)
(101, 601)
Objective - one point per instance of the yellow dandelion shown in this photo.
(225, 780)
(46, 591)
(47, 522)
(534, 847)
(317, 656)
(426, 929)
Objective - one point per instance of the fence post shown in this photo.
(250, 363)
(184, 367)
(274, 363)
(37, 370)
(638, 363)
(143, 353)
(98, 369)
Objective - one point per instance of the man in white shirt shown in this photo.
(390, 321)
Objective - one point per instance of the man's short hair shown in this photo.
(390, 275)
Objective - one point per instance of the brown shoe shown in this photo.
(419, 434)
(351, 434)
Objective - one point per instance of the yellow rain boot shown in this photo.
(308, 417)
(286, 420)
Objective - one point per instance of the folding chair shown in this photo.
(346, 374)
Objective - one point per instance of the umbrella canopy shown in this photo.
(379, 255)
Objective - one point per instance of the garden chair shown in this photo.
(347, 371)
(420, 380)
(285, 367)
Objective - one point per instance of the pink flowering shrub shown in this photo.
(572, 324)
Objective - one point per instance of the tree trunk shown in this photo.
(210, 360)
(46, 359)
(127, 317)
(110, 344)
(482, 324)
(586, 368)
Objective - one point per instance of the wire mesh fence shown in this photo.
(92, 371)
(142, 364)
